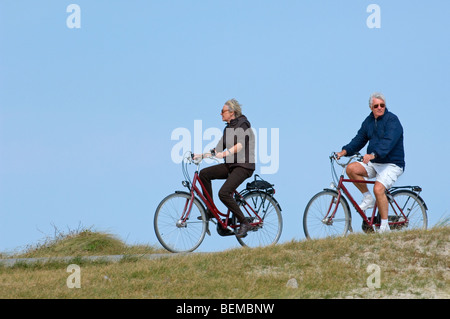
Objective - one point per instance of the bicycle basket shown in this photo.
(260, 184)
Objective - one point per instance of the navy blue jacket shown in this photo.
(385, 137)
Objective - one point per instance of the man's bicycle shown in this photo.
(328, 212)
(181, 221)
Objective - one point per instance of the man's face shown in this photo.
(378, 107)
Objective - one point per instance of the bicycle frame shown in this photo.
(207, 200)
(372, 221)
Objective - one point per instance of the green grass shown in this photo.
(413, 264)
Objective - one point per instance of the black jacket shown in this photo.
(239, 131)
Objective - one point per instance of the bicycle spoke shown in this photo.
(175, 230)
(325, 217)
(268, 226)
(413, 209)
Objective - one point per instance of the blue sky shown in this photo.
(86, 114)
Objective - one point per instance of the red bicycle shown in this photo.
(328, 212)
(181, 223)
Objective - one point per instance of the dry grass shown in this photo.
(82, 242)
(413, 264)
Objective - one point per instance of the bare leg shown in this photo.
(357, 172)
(382, 202)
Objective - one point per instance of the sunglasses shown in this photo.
(379, 105)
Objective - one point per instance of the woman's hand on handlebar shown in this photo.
(199, 157)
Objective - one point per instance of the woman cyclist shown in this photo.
(237, 148)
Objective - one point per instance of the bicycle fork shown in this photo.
(328, 219)
(185, 215)
(181, 223)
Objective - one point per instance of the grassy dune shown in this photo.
(411, 264)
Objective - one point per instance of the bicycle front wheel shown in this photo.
(178, 233)
(269, 231)
(318, 219)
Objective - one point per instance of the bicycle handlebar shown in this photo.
(357, 156)
(190, 157)
(333, 156)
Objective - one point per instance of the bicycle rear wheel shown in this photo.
(413, 207)
(269, 231)
(316, 218)
(175, 233)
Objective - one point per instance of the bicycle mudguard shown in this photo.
(195, 198)
(406, 189)
(416, 189)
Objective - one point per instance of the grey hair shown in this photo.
(234, 106)
(376, 95)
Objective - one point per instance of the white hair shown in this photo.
(376, 95)
(234, 106)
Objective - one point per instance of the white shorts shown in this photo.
(386, 174)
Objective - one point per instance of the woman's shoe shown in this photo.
(242, 232)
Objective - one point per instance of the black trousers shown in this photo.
(234, 177)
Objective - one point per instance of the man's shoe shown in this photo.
(368, 202)
(242, 232)
(384, 229)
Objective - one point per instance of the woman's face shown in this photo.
(227, 115)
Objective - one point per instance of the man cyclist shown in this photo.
(237, 147)
(385, 158)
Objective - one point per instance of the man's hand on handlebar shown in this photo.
(340, 154)
(365, 159)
